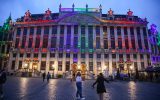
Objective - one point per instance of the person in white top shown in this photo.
(79, 86)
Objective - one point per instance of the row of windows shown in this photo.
(83, 44)
(61, 55)
(54, 30)
(68, 67)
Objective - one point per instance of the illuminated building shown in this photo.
(104, 42)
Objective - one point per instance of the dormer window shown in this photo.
(27, 16)
(110, 12)
(130, 13)
(47, 15)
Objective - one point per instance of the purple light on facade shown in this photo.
(68, 50)
(75, 60)
(153, 29)
(75, 50)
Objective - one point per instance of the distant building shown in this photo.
(104, 42)
(5, 43)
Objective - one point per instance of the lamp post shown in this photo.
(53, 70)
(131, 69)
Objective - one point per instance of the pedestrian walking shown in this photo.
(48, 76)
(79, 86)
(100, 85)
(3, 78)
(44, 75)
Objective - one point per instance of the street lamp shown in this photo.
(53, 70)
(131, 68)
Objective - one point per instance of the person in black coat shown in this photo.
(100, 85)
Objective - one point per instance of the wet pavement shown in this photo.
(58, 89)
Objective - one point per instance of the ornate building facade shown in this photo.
(104, 42)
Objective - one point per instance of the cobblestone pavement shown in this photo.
(59, 89)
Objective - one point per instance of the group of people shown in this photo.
(48, 76)
(100, 86)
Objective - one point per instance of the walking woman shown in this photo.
(79, 86)
(100, 85)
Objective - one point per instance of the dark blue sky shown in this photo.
(142, 8)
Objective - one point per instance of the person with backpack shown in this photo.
(3, 78)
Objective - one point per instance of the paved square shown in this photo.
(59, 89)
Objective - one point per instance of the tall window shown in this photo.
(46, 30)
(119, 31)
(120, 43)
(112, 31)
(59, 65)
(37, 44)
(105, 44)
(51, 65)
(126, 43)
(90, 37)
(75, 42)
(38, 30)
(62, 29)
(67, 65)
(132, 31)
(76, 29)
(30, 42)
(144, 31)
(18, 31)
(45, 42)
(90, 66)
(146, 43)
(125, 31)
(61, 42)
(98, 46)
(83, 42)
(13, 65)
(43, 65)
(83, 30)
(53, 42)
(97, 30)
(140, 43)
(138, 31)
(68, 42)
(23, 42)
(133, 43)
(17, 43)
(105, 31)
(20, 65)
(113, 43)
(31, 30)
(54, 29)
(25, 31)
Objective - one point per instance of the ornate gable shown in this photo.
(79, 19)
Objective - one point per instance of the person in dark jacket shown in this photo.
(3, 78)
(44, 75)
(48, 76)
(100, 85)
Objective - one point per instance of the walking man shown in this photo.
(100, 85)
(48, 76)
(44, 75)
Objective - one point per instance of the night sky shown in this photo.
(142, 8)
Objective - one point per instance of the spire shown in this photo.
(86, 7)
(60, 7)
(73, 7)
(100, 8)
